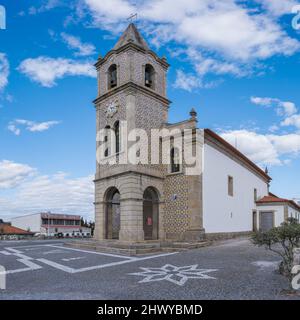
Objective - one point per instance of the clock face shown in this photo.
(112, 108)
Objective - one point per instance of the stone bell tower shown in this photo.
(131, 88)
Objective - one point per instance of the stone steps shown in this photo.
(133, 249)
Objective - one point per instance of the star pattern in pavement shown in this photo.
(176, 275)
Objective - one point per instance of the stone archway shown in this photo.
(112, 214)
(151, 214)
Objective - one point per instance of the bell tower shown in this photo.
(132, 90)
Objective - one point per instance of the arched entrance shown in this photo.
(112, 214)
(150, 214)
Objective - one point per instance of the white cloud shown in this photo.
(189, 81)
(110, 11)
(204, 66)
(287, 108)
(82, 49)
(262, 101)
(203, 24)
(286, 144)
(273, 128)
(4, 71)
(234, 37)
(12, 174)
(46, 70)
(46, 6)
(283, 108)
(31, 126)
(269, 149)
(27, 191)
(186, 81)
(277, 7)
(294, 120)
(14, 129)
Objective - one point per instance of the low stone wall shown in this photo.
(227, 235)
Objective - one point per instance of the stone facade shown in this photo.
(176, 203)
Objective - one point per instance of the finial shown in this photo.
(266, 170)
(133, 16)
(193, 114)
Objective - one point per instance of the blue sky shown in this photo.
(236, 62)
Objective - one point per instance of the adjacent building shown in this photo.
(51, 224)
(272, 211)
(157, 201)
(8, 232)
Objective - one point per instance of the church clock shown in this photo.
(112, 108)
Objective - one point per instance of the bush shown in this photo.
(281, 240)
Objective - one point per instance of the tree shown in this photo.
(81, 222)
(281, 240)
(92, 226)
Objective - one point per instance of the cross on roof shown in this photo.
(132, 17)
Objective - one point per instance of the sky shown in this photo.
(236, 62)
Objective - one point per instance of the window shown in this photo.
(149, 76)
(255, 195)
(107, 132)
(117, 134)
(112, 77)
(175, 166)
(230, 186)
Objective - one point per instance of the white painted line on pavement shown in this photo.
(30, 266)
(98, 253)
(72, 259)
(112, 264)
(55, 251)
(6, 253)
(57, 265)
(37, 245)
(13, 250)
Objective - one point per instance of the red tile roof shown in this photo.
(209, 133)
(271, 198)
(6, 229)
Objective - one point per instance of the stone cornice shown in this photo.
(127, 47)
(138, 173)
(134, 87)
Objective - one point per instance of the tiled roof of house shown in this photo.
(6, 229)
(271, 198)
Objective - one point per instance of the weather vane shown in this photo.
(132, 17)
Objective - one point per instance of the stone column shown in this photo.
(161, 222)
(132, 227)
(99, 232)
(195, 203)
(195, 195)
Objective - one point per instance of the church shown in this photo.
(137, 202)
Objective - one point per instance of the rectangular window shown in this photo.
(255, 195)
(230, 186)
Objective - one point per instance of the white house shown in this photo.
(51, 224)
(272, 211)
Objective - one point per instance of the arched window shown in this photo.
(149, 76)
(117, 134)
(106, 141)
(112, 77)
(175, 165)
